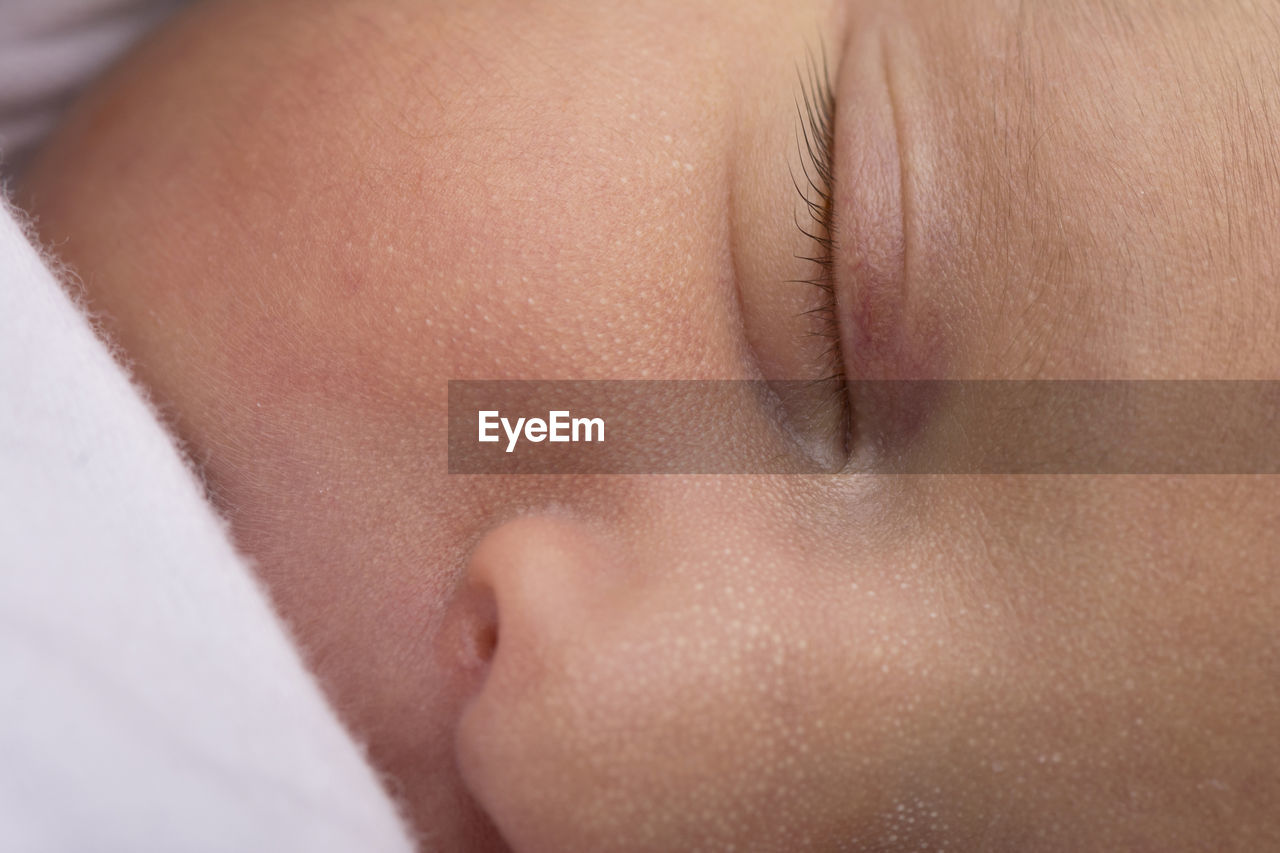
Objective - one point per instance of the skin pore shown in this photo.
(299, 219)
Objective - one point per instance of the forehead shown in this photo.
(1087, 185)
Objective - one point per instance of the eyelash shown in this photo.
(815, 141)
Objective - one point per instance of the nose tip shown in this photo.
(528, 581)
(540, 579)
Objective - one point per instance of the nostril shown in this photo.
(477, 611)
(486, 642)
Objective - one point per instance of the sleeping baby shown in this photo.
(300, 220)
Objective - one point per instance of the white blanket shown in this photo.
(149, 698)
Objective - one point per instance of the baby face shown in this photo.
(300, 220)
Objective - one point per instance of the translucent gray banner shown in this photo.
(897, 427)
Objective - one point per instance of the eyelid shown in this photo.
(871, 274)
(889, 339)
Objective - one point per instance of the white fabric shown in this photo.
(149, 699)
(49, 50)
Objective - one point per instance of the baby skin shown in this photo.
(299, 219)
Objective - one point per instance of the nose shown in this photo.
(527, 586)
(532, 604)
